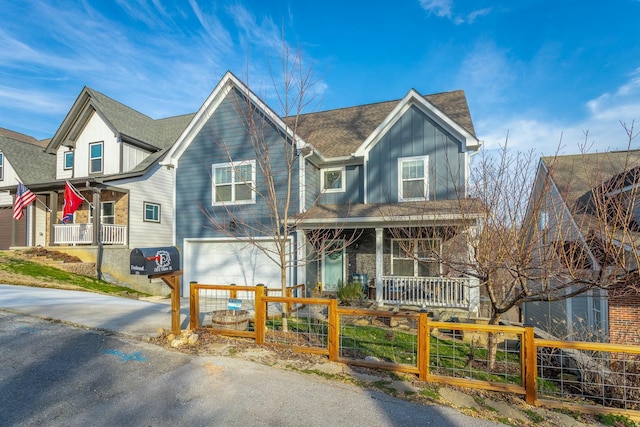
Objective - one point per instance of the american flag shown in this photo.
(24, 197)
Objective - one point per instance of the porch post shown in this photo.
(301, 262)
(53, 217)
(97, 211)
(379, 266)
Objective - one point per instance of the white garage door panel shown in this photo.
(223, 263)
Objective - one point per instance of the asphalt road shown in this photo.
(57, 374)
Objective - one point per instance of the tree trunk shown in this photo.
(492, 341)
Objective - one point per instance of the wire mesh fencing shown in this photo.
(589, 374)
(379, 338)
(478, 353)
(306, 327)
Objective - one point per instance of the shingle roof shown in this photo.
(577, 175)
(130, 124)
(160, 133)
(30, 162)
(581, 177)
(340, 132)
(394, 212)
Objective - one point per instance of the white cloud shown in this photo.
(601, 129)
(487, 72)
(444, 9)
(441, 8)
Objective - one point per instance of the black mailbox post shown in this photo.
(154, 261)
(162, 263)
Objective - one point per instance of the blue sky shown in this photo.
(537, 71)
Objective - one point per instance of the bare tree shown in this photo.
(276, 188)
(547, 230)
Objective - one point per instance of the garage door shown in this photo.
(6, 222)
(223, 262)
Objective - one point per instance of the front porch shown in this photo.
(440, 292)
(82, 234)
(396, 270)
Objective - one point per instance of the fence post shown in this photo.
(531, 366)
(194, 306)
(334, 330)
(260, 318)
(233, 294)
(423, 346)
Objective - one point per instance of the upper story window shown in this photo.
(1, 166)
(413, 178)
(68, 160)
(333, 180)
(234, 183)
(151, 212)
(107, 213)
(415, 257)
(95, 157)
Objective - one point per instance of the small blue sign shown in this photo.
(234, 304)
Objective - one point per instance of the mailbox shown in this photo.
(152, 261)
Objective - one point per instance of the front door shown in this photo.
(333, 267)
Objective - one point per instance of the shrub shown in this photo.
(349, 293)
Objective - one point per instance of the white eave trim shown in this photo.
(471, 143)
(216, 97)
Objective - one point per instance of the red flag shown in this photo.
(72, 201)
(24, 197)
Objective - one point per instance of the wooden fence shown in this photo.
(599, 378)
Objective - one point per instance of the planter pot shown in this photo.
(237, 320)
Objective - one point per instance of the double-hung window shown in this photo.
(1, 166)
(95, 157)
(107, 213)
(415, 257)
(333, 180)
(413, 178)
(234, 183)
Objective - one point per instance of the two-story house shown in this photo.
(110, 153)
(390, 177)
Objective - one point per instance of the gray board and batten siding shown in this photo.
(415, 134)
(226, 136)
(353, 190)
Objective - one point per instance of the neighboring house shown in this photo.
(22, 158)
(111, 154)
(367, 170)
(567, 187)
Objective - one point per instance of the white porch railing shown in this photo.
(451, 292)
(82, 234)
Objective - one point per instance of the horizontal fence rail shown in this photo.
(597, 377)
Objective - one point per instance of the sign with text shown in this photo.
(234, 304)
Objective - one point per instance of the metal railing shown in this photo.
(426, 291)
(82, 234)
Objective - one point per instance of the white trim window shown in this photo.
(107, 213)
(413, 178)
(1, 167)
(95, 157)
(68, 160)
(333, 180)
(151, 212)
(415, 257)
(233, 183)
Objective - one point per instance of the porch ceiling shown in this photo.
(439, 212)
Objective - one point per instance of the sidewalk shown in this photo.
(131, 317)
